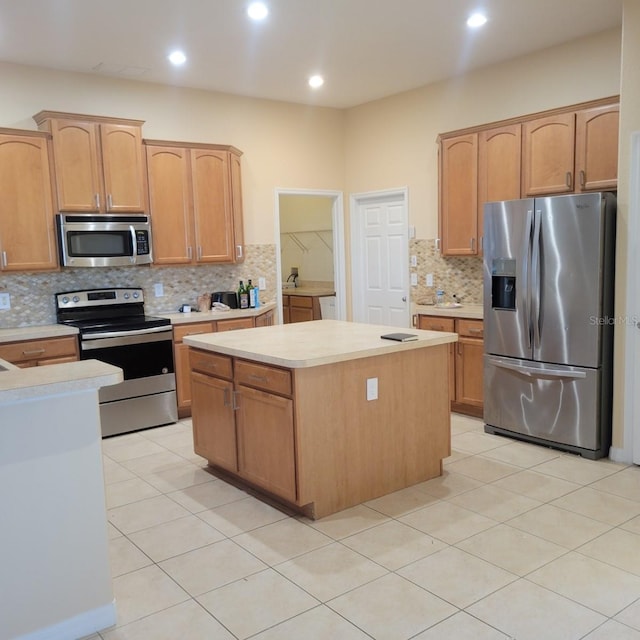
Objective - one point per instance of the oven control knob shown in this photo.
(65, 300)
(76, 299)
(126, 296)
(136, 295)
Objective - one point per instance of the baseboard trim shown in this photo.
(79, 626)
(620, 455)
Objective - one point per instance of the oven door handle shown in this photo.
(126, 334)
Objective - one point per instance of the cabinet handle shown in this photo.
(568, 178)
(473, 244)
(414, 320)
(33, 352)
(253, 376)
(109, 201)
(189, 253)
(4, 258)
(199, 253)
(238, 251)
(97, 198)
(583, 178)
(476, 331)
(225, 398)
(481, 243)
(438, 245)
(234, 397)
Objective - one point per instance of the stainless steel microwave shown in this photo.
(103, 240)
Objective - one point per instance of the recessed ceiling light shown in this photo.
(177, 58)
(257, 11)
(316, 81)
(476, 20)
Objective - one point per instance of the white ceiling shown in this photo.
(366, 49)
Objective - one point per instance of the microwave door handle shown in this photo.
(134, 244)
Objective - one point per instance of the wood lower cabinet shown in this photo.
(27, 237)
(299, 308)
(466, 368)
(195, 202)
(181, 351)
(36, 353)
(99, 164)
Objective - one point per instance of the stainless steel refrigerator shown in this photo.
(549, 320)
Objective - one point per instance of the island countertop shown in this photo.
(310, 344)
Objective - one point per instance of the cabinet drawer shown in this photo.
(435, 323)
(40, 349)
(231, 325)
(211, 363)
(182, 330)
(301, 301)
(263, 377)
(470, 328)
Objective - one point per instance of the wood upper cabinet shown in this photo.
(195, 203)
(98, 161)
(459, 195)
(548, 148)
(499, 153)
(597, 148)
(27, 238)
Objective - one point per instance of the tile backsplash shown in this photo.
(32, 294)
(459, 276)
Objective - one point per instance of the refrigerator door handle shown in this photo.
(526, 264)
(535, 279)
(536, 372)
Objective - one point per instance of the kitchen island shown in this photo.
(322, 415)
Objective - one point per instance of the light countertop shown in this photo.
(209, 316)
(309, 291)
(36, 331)
(310, 344)
(53, 379)
(471, 311)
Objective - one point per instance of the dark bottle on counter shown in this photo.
(243, 296)
(251, 290)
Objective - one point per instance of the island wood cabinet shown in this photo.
(243, 420)
(27, 237)
(465, 361)
(99, 165)
(35, 353)
(567, 151)
(181, 350)
(195, 201)
(300, 308)
(308, 436)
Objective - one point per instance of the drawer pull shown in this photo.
(33, 352)
(225, 398)
(258, 378)
(235, 405)
(476, 331)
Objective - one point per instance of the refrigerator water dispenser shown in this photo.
(503, 284)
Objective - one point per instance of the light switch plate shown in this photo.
(262, 284)
(414, 261)
(429, 279)
(158, 290)
(414, 279)
(5, 301)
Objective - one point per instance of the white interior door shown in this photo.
(380, 258)
(632, 326)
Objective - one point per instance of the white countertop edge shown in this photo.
(15, 334)
(54, 379)
(209, 316)
(259, 348)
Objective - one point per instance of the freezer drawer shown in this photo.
(556, 405)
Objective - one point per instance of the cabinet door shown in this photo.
(437, 323)
(264, 319)
(597, 148)
(78, 179)
(27, 239)
(183, 378)
(499, 153)
(459, 195)
(266, 451)
(123, 167)
(212, 206)
(548, 155)
(233, 324)
(469, 371)
(214, 430)
(236, 203)
(170, 204)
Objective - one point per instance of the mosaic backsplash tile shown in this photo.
(32, 294)
(459, 276)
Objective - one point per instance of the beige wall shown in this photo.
(284, 145)
(392, 142)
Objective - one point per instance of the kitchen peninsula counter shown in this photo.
(322, 415)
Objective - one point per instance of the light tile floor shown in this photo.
(514, 541)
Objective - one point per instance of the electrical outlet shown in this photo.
(262, 284)
(158, 290)
(414, 279)
(414, 261)
(372, 388)
(294, 271)
(5, 301)
(429, 279)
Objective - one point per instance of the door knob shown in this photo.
(404, 299)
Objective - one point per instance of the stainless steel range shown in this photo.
(114, 329)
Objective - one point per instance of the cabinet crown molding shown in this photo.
(43, 116)
(192, 145)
